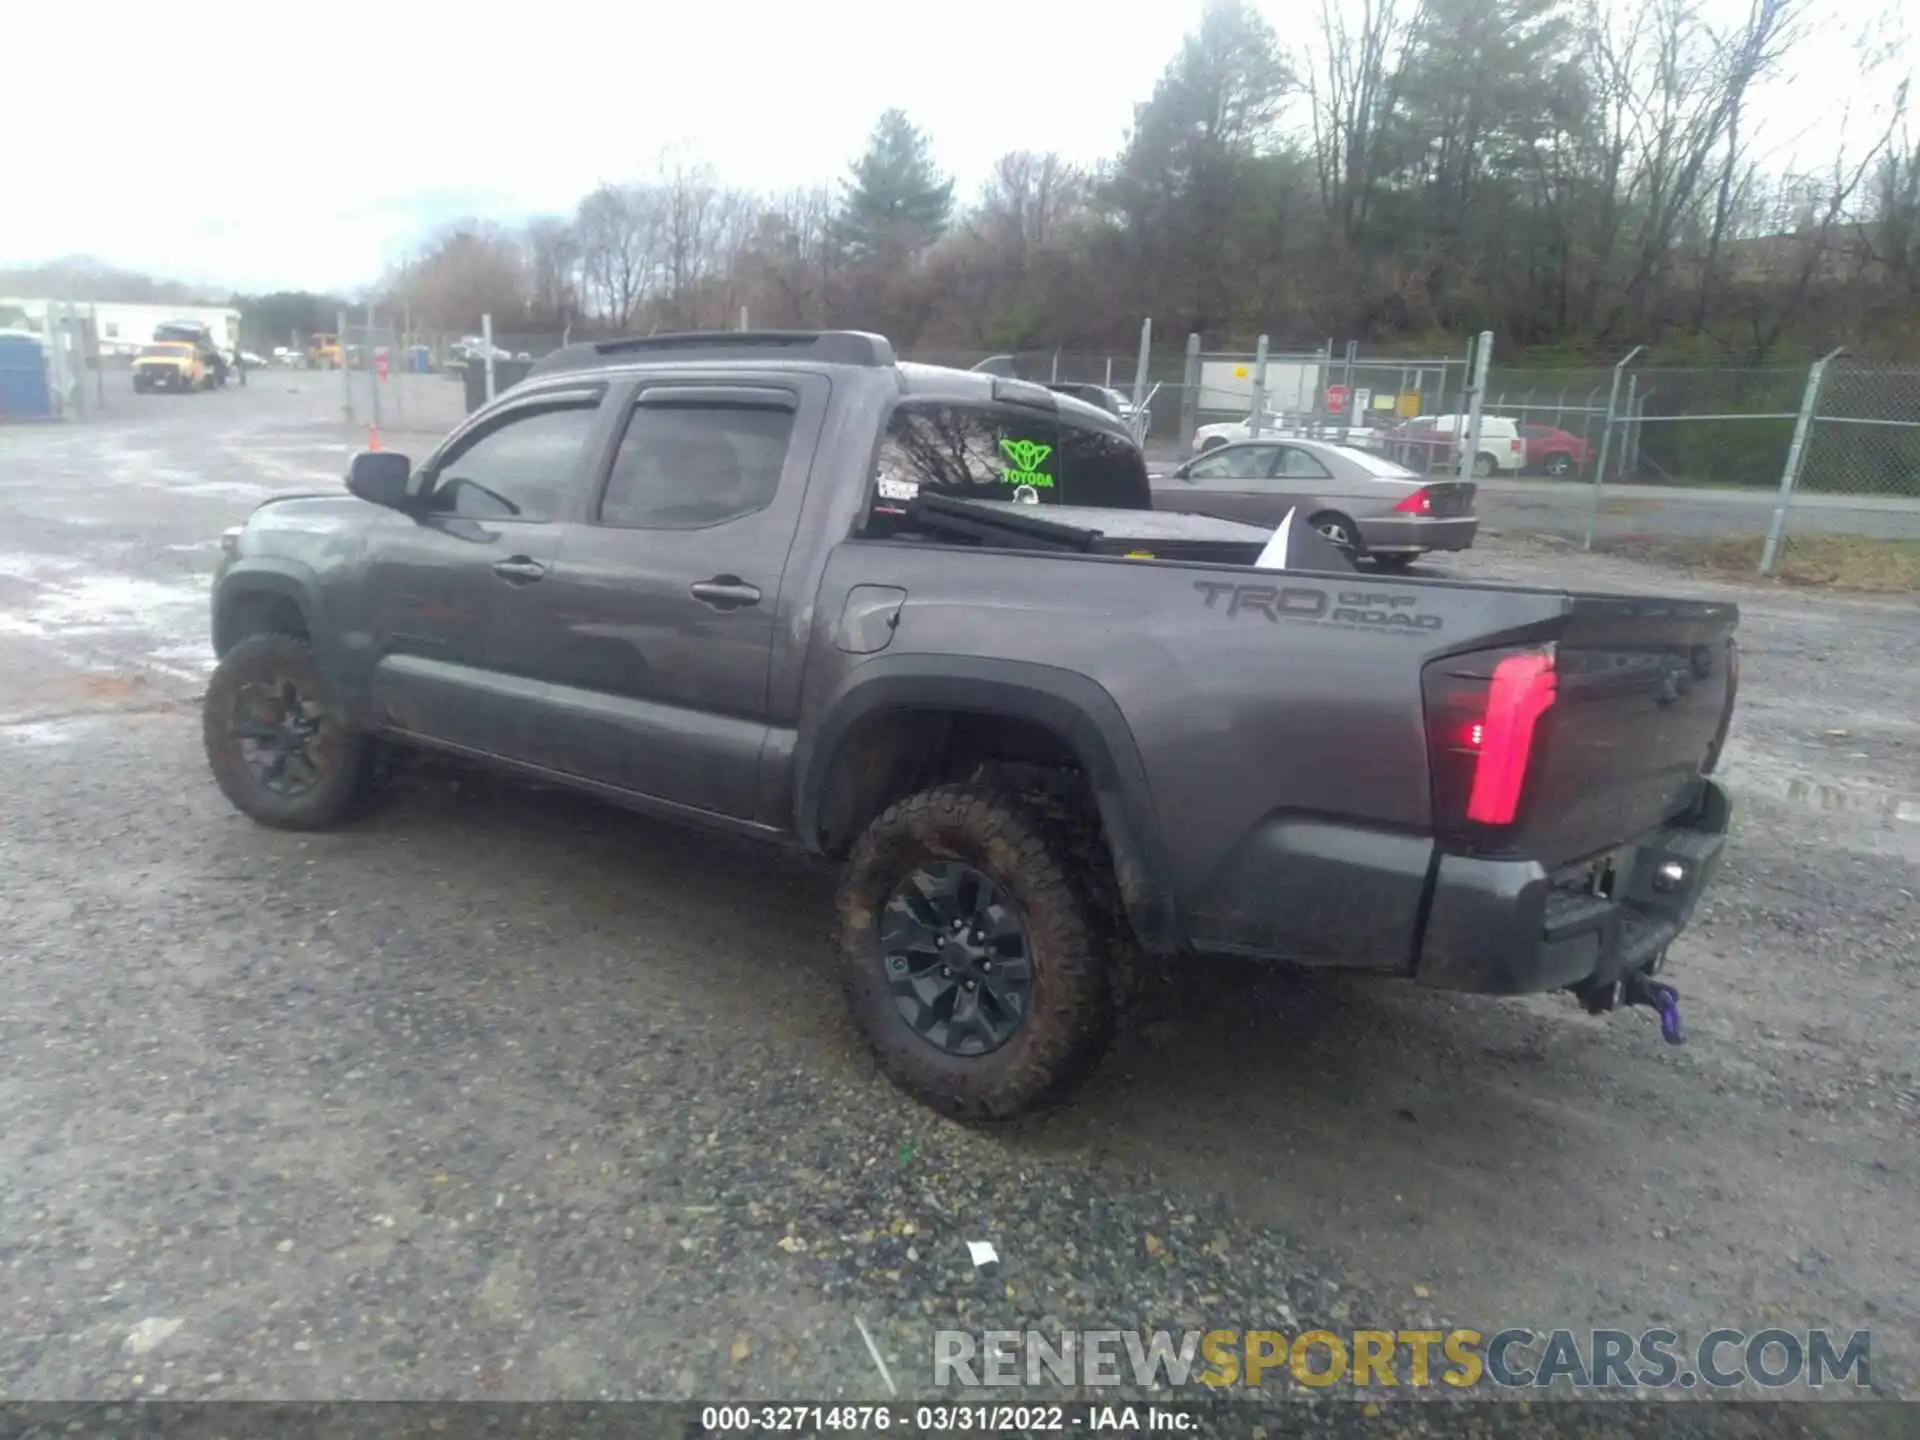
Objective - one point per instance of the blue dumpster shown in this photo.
(419, 359)
(23, 379)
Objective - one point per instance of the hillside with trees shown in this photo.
(1576, 175)
(1573, 174)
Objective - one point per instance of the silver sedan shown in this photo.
(1368, 506)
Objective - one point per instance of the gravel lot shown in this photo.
(507, 1095)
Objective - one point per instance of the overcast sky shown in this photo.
(351, 128)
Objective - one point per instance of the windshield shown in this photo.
(167, 352)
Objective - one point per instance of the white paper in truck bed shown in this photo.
(1301, 547)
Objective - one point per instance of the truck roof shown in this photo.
(812, 350)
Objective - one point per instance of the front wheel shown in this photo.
(275, 740)
(1558, 464)
(972, 953)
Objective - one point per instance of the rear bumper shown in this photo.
(1324, 892)
(1510, 927)
(1407, 533)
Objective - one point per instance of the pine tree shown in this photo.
(896, 199)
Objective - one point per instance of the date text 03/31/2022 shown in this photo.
(947, 1419)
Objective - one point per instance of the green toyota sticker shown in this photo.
(1027, 457)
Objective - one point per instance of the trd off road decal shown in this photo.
(1391, 613)
(1027, 456)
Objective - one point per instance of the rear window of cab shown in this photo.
(995, 452)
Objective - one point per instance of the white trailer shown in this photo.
(123, 327)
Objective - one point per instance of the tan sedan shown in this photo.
(1370, 507)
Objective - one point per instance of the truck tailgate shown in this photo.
(1643, 690)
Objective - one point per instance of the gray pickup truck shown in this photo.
(771, 583)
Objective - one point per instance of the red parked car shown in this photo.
(1556, 452)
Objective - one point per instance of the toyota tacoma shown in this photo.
(925, 623)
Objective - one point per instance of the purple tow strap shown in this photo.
(1667, 999)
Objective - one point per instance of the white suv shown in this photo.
(1501, 448)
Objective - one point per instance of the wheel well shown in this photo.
(894, 753)
(258, 612)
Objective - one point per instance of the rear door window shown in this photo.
(1299, 465)
(686, 464)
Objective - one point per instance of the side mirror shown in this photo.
(380, 477)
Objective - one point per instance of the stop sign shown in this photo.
(1336, 399)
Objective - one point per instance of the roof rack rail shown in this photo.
(832, 347)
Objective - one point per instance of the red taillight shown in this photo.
(1483, 713)
(1420, 502)
(1522, 689)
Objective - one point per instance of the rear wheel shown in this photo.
(972, 953)
(1483, 465)
(1341, 531)
(275, 740)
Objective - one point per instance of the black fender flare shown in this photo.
(1070, 705)
(288, 579)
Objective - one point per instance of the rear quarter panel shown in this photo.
(1248, 696)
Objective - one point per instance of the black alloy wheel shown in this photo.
(958, 958)
(284, 735)
(280, 749)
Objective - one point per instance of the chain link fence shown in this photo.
(1848, 505)
(393, 379)
(1864, 437)
(1765, 468)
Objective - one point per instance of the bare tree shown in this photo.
(621, 232)
(1354, 87)
(790, 259)
(1681, 108)
(688, 196)
(1812, 242)
(1029, 201)
(553, 262)
(472, 268)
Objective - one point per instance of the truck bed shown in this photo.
(1292, 765)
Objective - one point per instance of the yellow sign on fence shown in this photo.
(1409, 404)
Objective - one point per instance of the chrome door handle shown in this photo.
(724, 592)
(520, 570)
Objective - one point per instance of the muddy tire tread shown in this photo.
(1034, 855)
